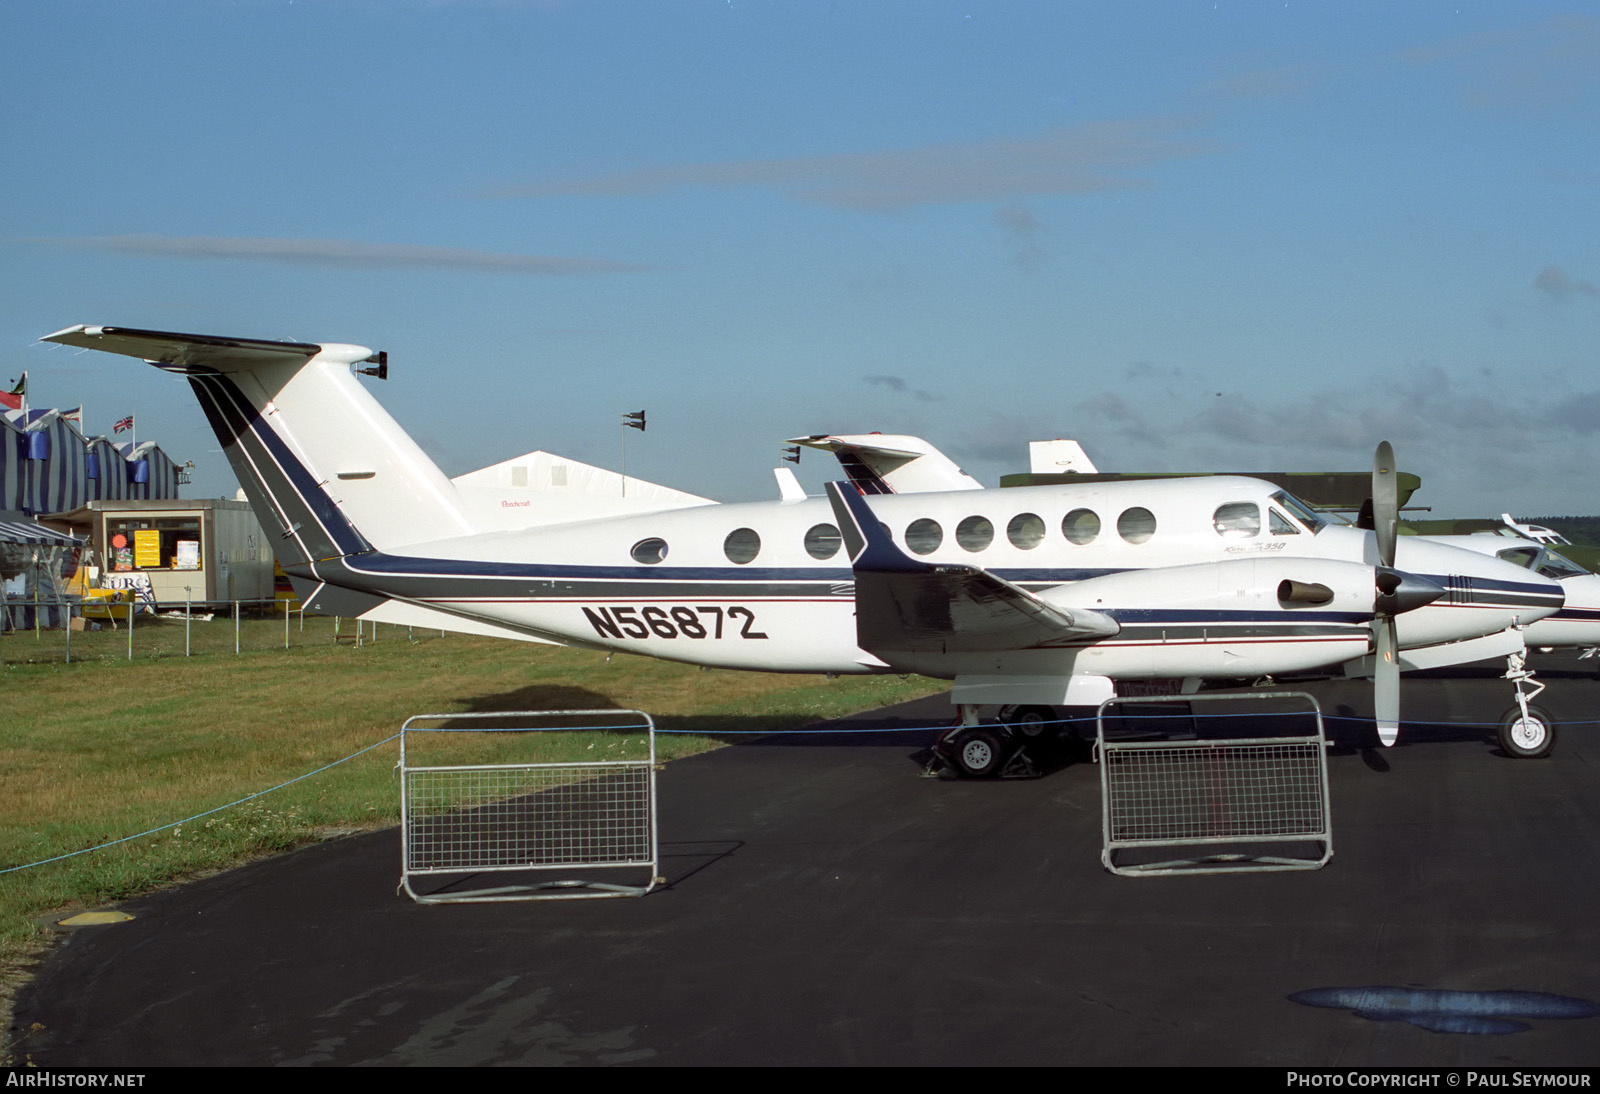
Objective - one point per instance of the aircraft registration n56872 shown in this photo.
(1033, 596)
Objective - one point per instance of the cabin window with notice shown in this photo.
(1237, 520)
(158, 544)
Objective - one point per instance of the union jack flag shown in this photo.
(123, 424)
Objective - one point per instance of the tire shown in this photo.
(1035, 723)
(979, 752)
(1530, 739)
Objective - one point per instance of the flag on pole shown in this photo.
(17, 396)
(123, 425)
(75, 416)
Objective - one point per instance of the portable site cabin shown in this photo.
(214, 547)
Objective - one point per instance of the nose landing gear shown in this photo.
(1526, 732)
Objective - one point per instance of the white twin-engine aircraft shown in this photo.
(1033, 597)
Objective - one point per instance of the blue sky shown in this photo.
(1194, 236)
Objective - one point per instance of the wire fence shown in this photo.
(37, 631)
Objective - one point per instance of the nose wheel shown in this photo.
(1526, 732)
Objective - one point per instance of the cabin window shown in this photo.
(1080, 526)
(974, 534)
(742, 545)
(1282, 525)
(1237, 520)
(924, 536)
(822, 541)
(166, 544)
(1136, 525)
(1026, 531)
(649, 551)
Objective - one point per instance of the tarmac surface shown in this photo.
(826, 905)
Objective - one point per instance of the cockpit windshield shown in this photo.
(1543, 561)
(1300, 511)
(1556, 567)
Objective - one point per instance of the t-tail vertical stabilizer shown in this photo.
(322, 463)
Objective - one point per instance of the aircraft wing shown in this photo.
(904, 604)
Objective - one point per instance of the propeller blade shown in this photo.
(1386, 679)
(1385, 502)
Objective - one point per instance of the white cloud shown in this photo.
(341, 253)
(1076, 159)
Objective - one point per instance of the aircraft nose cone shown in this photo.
(1398, 591)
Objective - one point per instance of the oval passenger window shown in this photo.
(924, 536)
(649, 551)
(742, 545)
(1026, 531)
(1080, 526)
(974, 534)
(1136, 525)
(822, 541)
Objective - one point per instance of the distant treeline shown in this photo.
(1584, 530)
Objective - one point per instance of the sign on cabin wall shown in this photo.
(146, 548)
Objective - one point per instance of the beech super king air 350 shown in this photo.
(1035, 597)
(878, 463)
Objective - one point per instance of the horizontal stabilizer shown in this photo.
(327, 470)
(187, 350)
(904, 604)
(879, 463)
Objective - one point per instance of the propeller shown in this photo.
(1385, 640)
(1395, 591)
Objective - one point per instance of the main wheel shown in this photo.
(979, 752)
(1035, 723)
(1527, 738)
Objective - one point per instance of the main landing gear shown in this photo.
(1012, 747)
(1526, 731)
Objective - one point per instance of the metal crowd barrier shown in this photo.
(553, 828)
(1188, 792)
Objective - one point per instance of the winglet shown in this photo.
(866, 539)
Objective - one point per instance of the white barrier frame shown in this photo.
(516, 825)
(1246, 805)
